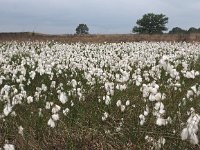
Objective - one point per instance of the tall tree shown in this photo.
(82, 29)
(151, 23)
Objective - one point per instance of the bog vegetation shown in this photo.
(141, 95)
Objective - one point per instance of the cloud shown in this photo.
(102, 16)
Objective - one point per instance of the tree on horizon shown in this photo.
(177, 30)
(151, 24)
(82, 29)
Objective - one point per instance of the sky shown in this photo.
(101, 16)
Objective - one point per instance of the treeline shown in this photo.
(178, 30)
(156, 24)
(150, 23)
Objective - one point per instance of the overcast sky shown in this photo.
(101, 16)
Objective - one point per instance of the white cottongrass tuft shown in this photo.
(65, 111)
(105, 116)
(127, 102)
(55, 117)
(107, 99)
(55, 109)
(119, 102)
(122, 108)
(29, 99)
(7, 109)
(161, 121)
(51, 123)
(158, 96)
(53, 84)
(48, 105)
(63, 97)
(190, 132)
(184, 134)
(9, 147)
(145, 113)
(194, 139)
(20, 130)
(142, 119)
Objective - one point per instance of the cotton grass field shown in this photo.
(140, 95)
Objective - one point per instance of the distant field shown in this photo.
(100, 38)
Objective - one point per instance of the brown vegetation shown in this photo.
(100, 38)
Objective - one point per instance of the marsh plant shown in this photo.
(142, 95)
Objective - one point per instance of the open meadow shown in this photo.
(133, 95)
